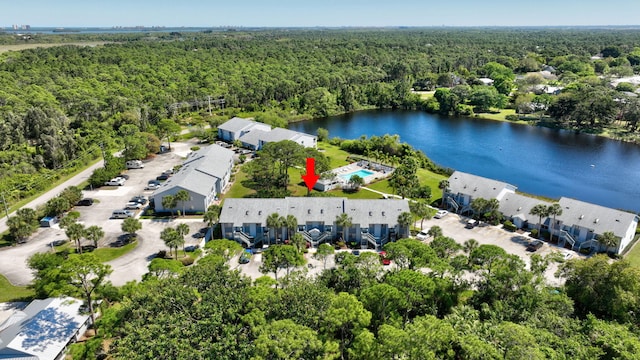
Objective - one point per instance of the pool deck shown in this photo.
(356, 166)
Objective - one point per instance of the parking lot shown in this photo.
(453, 226)
(130, 266)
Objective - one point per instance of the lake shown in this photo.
(538, 160)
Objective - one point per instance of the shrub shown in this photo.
(195, 148)
(534, 233)
(187, 260)
(508, 225)
(512, 117)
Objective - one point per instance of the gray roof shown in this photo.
(253, 137)
(598, 218)
(305, 209)
(42, 330)
(476, 186)
(516, 205)
(280, 134)
(236, 124)
(200, 170)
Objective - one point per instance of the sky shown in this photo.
(309, 13)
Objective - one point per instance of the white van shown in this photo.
(134, 164)
(121, 214)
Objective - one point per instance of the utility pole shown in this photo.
(6, 208)
(209, 98)
(104, 160)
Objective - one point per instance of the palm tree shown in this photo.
(290, 223)
(182, 196)
(609, 240)
(540, 211)
(94, 233)
(275, 222)
(169, 202)
(405, 220)
(212, 215)
(183, 230)
(435, 231)
(344, 221)
(444, 185)
(470, 245)
(75, 232)
(171, 239)
(555, 210)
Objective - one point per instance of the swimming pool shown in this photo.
(362, 173)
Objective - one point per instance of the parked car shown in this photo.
(198, 235)
(153, 182)
(383, 258)
(422, 235)
(124, 176)
(440, 214)
(355, 252)
(168, 172)
(192, 248)
(85, 202)
(58, 242)
(162, 177)
(132, 205)
(121, 214)
(471, 224)
(140, 199)
(152, 187)
(534, 245)
(115, 182)
(134, 164)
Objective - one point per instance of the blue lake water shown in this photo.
(537, 160)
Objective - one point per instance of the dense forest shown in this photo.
(59, 105)
(443, 300)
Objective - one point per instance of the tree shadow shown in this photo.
(49, 327)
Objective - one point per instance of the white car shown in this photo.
(440, 214)
(133, 206)
(115, 182)
(152, 187)
(422, 235)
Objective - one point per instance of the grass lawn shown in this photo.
(9, 292)
(109, 253)
(500, 115)
(633, 256)
(338, 158)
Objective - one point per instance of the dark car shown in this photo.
(85, 202)
(124, 176)
(355, 252)
(534, 245)
(162, 177)
(153, 182)
(198, 235)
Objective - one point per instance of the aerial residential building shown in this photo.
(204, 175)
(254, 135)
(373, 222)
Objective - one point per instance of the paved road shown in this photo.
(41, 200)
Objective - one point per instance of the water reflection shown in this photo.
(538, 160)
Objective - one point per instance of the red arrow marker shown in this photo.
(311, 178)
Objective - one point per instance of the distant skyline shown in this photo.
(306, 13)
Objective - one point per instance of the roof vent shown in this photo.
(308, 211)
(475, 188)
(383, 213)
(259, 212)
(596, 221)
(581, 217)
(321, 211)
(247, 212)
(370, 213)
(519, 208)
